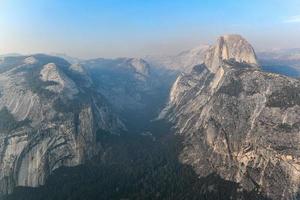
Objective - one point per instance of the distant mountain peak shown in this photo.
(30, 60)
(234, 119)
(181, 62)
(141, 66)
(51, 73)
(228, 47)
(195, 50)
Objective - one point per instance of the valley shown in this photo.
(208, 124)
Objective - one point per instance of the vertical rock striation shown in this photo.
(50, 116)
(238, 121)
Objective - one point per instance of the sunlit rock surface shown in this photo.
(49, 117)
(238, 121)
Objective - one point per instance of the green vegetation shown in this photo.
(134, 167)
(239, 65)
(285, 127)
(233, 88)
(36, 85)
(8, 122)
(65, 105)
(286, 97)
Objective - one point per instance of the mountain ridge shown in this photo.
(53, 119)
(233, 118)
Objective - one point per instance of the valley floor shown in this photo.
(134, 167)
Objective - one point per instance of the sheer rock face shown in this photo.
(49, 117)
(230, 47)
(238, 121)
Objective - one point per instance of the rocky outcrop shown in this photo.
(238, 121)
(51, 73)
(230, 47)
(49, 117)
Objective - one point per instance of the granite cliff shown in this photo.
(50, 116)
(236, 126)
(238, 121)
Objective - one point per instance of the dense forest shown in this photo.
(134, 167)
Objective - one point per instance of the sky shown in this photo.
(135, 28)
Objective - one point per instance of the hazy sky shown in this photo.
(113, 28)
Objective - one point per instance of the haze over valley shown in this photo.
(149, 100)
